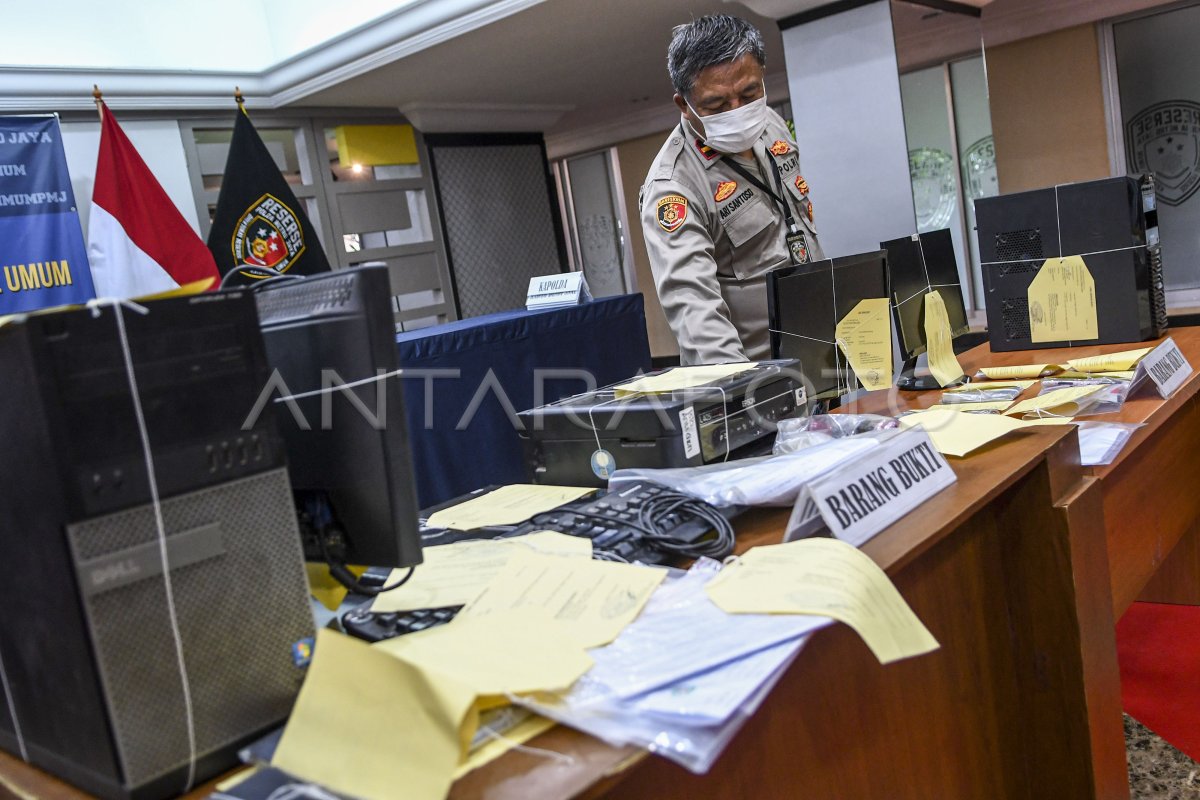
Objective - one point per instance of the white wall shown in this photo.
(855, 160)
(160, 146)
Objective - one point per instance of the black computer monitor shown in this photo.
(330, 337)
(805, 304)
(919, 264)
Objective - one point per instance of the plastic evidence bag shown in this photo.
(1101, 442)
(763, 481)
(1109, 401)
(640, 691)
(799, 433)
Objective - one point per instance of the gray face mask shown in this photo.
(735, 131)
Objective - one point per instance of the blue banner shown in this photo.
(43, 258)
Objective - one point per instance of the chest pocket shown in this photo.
(749, 221)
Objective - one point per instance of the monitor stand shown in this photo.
(916, 377)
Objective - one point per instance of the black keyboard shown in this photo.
(612, 521)
(375, 627)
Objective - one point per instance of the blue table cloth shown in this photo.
(465, 381)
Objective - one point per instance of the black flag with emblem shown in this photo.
(259, 222)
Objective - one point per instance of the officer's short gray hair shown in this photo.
(710, 40)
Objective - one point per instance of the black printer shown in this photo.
(581, 440)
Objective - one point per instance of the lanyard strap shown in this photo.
(778, 198)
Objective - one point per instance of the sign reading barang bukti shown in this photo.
(43, 260)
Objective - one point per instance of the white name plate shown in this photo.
(553, 291)
(860, 499)
(1165, 366)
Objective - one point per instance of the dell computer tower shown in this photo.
(1112, 223)
(90, 655)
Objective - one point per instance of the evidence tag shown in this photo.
(797, 244)
(603, 464)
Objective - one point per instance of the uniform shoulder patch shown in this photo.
(672, 211)
(724, 190)
(706, 151)
(801, 184)
(780, 148)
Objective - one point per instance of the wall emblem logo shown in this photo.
(1165, 139)
(979, 169)
(934, 192)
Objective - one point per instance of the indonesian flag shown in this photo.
(138, 242)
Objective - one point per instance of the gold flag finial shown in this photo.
(98, 98)
(239, 97)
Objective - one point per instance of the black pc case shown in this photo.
(93, 688)
(1112, 222)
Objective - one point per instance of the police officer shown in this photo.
(724, 201)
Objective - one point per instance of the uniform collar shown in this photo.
(694, 145)
(707, 156)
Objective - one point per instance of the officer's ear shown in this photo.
(681, 103)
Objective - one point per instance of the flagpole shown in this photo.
(99, 98)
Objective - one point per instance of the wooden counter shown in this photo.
(1018, 569)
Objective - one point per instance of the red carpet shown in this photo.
(1159, 649)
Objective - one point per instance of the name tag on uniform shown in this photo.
(797, 244)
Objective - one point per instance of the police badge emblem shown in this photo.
(798, 247)
(1165, 139)
(672, 211)
(780, 148)
(268, 234)
(801, 185)
(724, 190)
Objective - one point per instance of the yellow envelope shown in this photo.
(507, 652)
(1022, 371)
(979, 386)
(943, 364)
(865, 337)
(682, 378)
(508, 505)
(195, 287)
(1058, 403)
(828, 578)
(977, 408)
(455, 574)
(367, 724)
(1071, 374)
(956, 434)
(489, 751)
(595, 599)
(1062, 302)
(1111, 362)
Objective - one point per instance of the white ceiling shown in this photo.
(213, 36)
(586, 61)
(585, 72)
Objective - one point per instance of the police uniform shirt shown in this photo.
(712, 236)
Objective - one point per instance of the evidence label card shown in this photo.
(868, 494)
(1165, 366)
